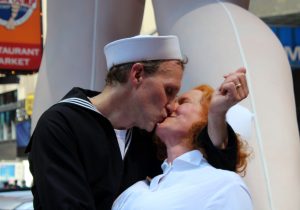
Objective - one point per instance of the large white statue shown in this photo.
(217, 37)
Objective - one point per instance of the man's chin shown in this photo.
(150, 127)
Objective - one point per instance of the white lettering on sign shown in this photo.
(19, 51)
(14, 61)
(294, 55)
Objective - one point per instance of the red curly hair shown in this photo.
(243, 152)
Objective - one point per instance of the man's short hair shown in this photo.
(119, 73)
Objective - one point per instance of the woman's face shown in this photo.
(187, 112)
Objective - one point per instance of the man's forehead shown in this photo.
(191, 94)
(170, 74)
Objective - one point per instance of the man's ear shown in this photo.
(136, 73)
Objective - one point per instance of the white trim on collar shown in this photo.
(81, 102)
(88, 105)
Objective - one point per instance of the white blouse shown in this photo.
(190, 183)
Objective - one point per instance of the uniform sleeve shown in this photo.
(234, 197)
(220, 158)
(59, 180)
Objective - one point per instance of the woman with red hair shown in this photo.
(189, 181)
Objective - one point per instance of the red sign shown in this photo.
(20, 35)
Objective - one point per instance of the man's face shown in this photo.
(156, 93)
(186, 114)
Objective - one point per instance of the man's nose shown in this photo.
(170, 107)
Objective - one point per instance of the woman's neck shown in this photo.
(177, 148)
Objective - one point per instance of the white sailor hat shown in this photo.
(142, 48)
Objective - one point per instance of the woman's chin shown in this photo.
(161, 129)
(158, 129)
